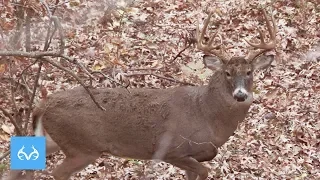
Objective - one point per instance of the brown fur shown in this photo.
(182, 126)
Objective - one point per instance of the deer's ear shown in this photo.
(212, 62)
(262, 62)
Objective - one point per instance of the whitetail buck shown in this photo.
(182, 126)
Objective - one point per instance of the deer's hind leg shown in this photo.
(51, 147)
(19, 175)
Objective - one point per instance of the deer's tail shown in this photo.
(39, 130)
(37, 124)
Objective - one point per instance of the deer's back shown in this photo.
(132, 119)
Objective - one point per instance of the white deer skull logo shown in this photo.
(34, 154)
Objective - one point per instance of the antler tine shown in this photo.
(208, 47)
(263, 45)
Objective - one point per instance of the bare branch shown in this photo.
(180, 52)
(12, 96)
(45, 4)
(25, 69)
(40, 54)
(19, 13)
(17, 84)
(74, 61)
(144, 69)
(34, 90)
(4, 155)
(47, 39)
(58, 26)
(76, 77)
(35, 54)
(7, 114)
(28, 33)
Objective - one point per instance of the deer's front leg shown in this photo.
(200, 152)
(192, 166)
(205, 155)
(191, 175)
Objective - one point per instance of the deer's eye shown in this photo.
(249, 73)
(228, 74)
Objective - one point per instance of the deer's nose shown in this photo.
(240, 95)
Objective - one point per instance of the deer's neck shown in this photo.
(223, 113)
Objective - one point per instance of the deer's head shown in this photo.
(238, 70)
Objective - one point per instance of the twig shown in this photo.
(162, 77)
(198, 143)
(74, 61)
(44, 3)
(189, 40)
(27, 30)
(25, 85)
(19, 13)
(34, 54)
(2, 35)
(180, 52)
(40, 54)
(57, 4)
(25, 69)
(58, 26)
(111, 79)
(15, 107)
(144, 69)
(76, 77)
(4, 155)
(7, 114)
(35, 87)
(17, 83)
(53, 8)
(47, 39)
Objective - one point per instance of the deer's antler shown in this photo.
(264, 46)
(209, 47)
